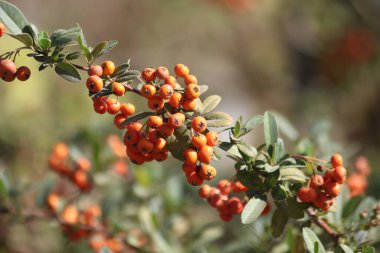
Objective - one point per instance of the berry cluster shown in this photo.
(323, 188)
(357, 181)
(75, 169)
(9, 71)
(219, 198)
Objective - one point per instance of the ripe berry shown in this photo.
(153, 135)
(187, 168)
(159, 145)
(204, 191)
(162, 73)
(131, 136)
(175, 100)
(207, 172)
(336, 160)
(81, 180)
(190, 156)
(135, 126)
(108, 68)
(2, 29)
(166, 130)
(212, 139)
(323, 201)
(127, 109)
(224, 186)
(189, 104)
(215, 199)
(199, 124)
(239, 187)
(198, 140)
(191, 79)
(181, 70)
(194, 179)
(70, 215)
(306, 194)
(226, 217)
(156, 103)
(316, 181)
(95, 70)
(23, 73)
(148, 74)
(53, 202)
(83, 164)
(176, 120)
(266, 209)
(145, 146)
(166, 91)
(234, 205)
(154, 121)
(339, 174)
(120, 118)
(100, 106)
(172, 81)
(205, 154)
(94, 84)
(192, 91)
(332, 189)
(148, 90)
(118, 89)
(7, 70)
(113, 106)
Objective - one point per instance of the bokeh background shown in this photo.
(315, 62)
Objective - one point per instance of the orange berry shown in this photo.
(120, 118)
(234, 205)
(154, 121)
(224, 186)
(100, 106)
(118, 89)
(239, 187)
(323, 201)
(339, 174)
(70, 215)
(159, 145)
(94, 84)
(332, 188)
(215, 199)
(189, 104)
(135, 126)
(166, 91)
(113, 106)
(198, 140)
(23, 73)
(53, 201)
(161, 156)
(153, 135)
(127, 109)
(2, 29)
(148, 90)
(162, 73)
(165, 130)
(95, 70)
(181, 70)
(207, 172)
(108, 68)
(194, 179)
(205, 154)
(212, 139)
(204, 191)
(148, 74)
(176, 120)
(83, 164)
(172, 81)
(191, 79)
(190, 156)
(199, 124)
(175, 100)
(306, 194)
(336, 160)
(316, 181)
(7, 70)
(192, 91)
(156, 103)
(81, 180)
(187, 168)
(61, 151)
(145, 146)
(226, 217)
(266, 209)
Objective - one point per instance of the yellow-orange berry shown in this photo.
(156, 103)
(181, 70)
(118, 89)
(191, 79)
(159, 145)
(339, 174)
(198, 140)
(192, 91)
(70, 215)
(108, 68)
(199, 124)
(148, 74)
(306, 194)
(127, 109)
(94, 84)
(176, 120)
(336, 160)
(207, 172)
(113, 106)
(154, 121)
(172, 81)
(95, 70)
(148, 90)
(166, 130)
(205, 154)
(166, 91)
(239, 187)
(189, 104)
(162, 73)
(190, 156)
(175, 100)
(204, 191)
(194, 179)
(145, 146)
(212, 139)
(120, 118)
(332, 188)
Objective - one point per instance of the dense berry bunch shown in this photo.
(324, 188)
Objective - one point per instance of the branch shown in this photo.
(323, 225)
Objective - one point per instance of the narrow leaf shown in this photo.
(279, 221)
(67, 71)
(252, 210)
(270, 129)
(136, 117)
(210, 103)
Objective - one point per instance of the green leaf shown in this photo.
(350, 207)
(73, 56)
(368, 249)
(32, 31)
(230, 148)
(293, 175)
(295, 209)
(270, 129)
(252, 210)
(269, 168)
(136, 117)
(4, 184)
(237, 127)
(279, 193)
(279, 221)
(12, 17)
(251, 124)
(44, 40)
(24, 38)
(122, 69)
(218, 119)
(63, 37)
(286, 127)
(310, 238)
(279, 150)
(83, 45)
(210, 103)
(67, 71)
(247, 150)
(179, 142)
(343, 248)
(103, 47)
(203, 88)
